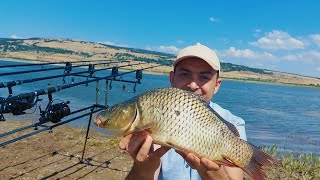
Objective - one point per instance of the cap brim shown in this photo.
(189, 56)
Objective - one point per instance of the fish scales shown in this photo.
(180, 119)
(186, 123)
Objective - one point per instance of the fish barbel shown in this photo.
(179, 119)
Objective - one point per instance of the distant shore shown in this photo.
(266, 82)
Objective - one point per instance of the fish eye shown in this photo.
(111, 109)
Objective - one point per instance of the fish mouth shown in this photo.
(98, 122)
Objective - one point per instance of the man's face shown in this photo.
(196, 75)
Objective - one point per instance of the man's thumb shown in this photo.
(160, 152)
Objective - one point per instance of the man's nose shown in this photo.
(193, 86)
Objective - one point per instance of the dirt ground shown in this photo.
(57, 154)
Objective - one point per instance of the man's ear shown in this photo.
(171, 78)
(218, 83)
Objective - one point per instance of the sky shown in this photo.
(281, 35)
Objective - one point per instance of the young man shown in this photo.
(196, 69)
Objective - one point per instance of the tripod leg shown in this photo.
(85, 141)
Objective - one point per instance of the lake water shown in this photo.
(286, 116)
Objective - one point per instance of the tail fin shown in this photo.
(259, 160)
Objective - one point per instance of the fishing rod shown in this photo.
(45, 128)
(49, 63)
(19, 82)
(59, 88)
(35, 125)
(31, 71)
(67, 67)
(24, 102)
(29, 64)
(93, 109)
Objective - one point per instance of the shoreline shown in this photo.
(271, 83)
(167, 74)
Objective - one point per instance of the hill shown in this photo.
(46, 49)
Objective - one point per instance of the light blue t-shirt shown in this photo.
(173, 166)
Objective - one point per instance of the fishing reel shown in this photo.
(17, 107)
(55, 112)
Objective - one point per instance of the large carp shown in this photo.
(179, 119)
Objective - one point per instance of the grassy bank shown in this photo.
(301, 166)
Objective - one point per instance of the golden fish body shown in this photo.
(179, 119)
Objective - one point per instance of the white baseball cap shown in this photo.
(200, 51)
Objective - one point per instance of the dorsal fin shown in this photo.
(231, 127)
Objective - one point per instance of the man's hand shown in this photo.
(146, 158)
(210, 170)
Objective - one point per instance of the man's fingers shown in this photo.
(144, 150)
(193, 161)
(209, 165)
(183, 154)
(125, 141)
(139, 146)
(136, 142)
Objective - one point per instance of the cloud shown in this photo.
(291, 57)
(169, 49)
(15, 37)
(180, 41)
(113, 44)
(278, 40)
(306, 57)
(257, 33)
(245, 53)
(316, 39)
(107, 42)
(212, 19)
(310, 57)
(277, 50)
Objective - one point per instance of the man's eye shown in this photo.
(205, 78)
(184, 74)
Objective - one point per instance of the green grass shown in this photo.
(302, 166)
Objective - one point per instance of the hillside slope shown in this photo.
(39, 49)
